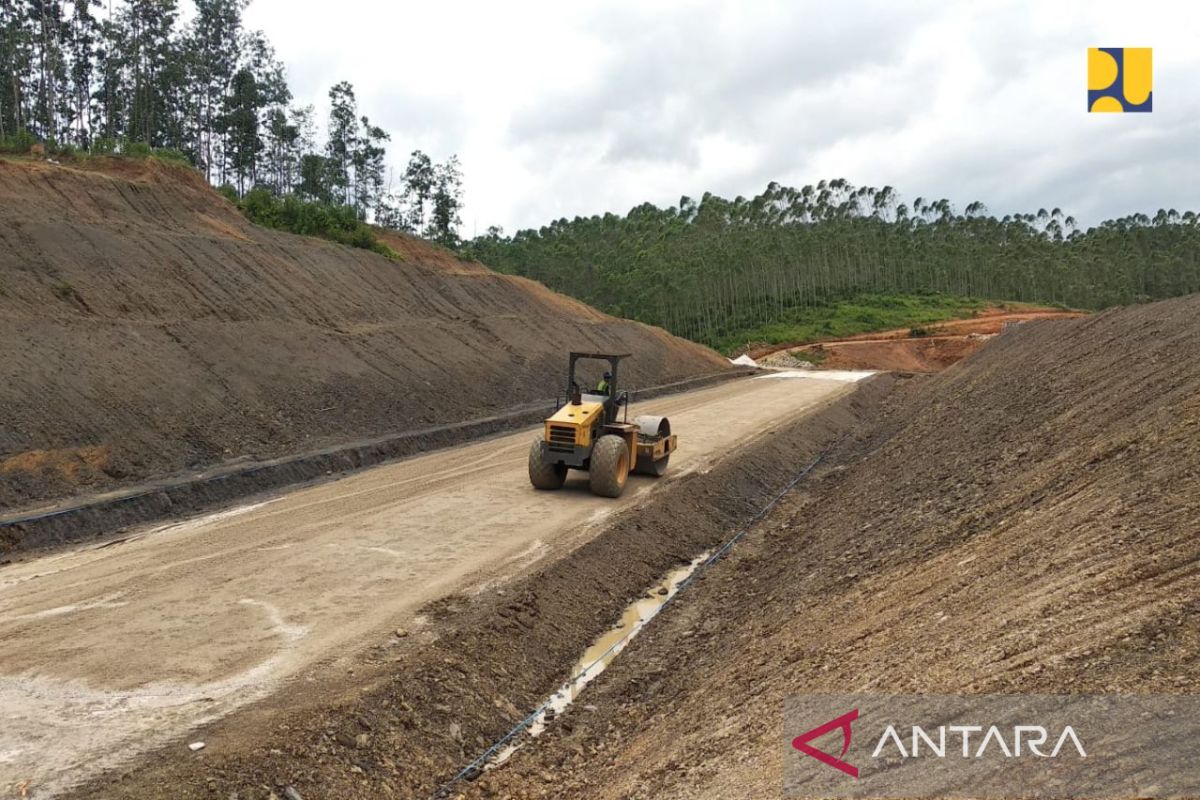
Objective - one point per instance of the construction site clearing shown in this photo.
(982, 507)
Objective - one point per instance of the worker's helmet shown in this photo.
(607, 376)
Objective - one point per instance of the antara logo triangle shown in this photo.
(801, 743)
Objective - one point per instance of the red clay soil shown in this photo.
(147, 329)
(987, 321)
(1023, 523)
(945, 343)
(926, 354)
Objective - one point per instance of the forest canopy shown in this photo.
(717, 271)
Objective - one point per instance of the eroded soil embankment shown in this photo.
(147, 329)
(416, 709)
(1025, 522)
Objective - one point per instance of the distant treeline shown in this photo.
(716, 269)
(131, 77)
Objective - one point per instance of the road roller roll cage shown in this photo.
(615, 399)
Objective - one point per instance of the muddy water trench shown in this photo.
(602, 652)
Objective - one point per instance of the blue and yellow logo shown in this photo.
(1119, 79)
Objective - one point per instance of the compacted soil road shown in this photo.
(113, 649)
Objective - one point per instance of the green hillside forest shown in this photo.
(726, 272)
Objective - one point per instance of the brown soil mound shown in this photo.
(925, 354)
(944, 343)
(1023, 523)
(142, 317)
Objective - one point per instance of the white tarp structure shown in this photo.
(845, 375)
(744, 361)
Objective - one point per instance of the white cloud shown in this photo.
(558, 109)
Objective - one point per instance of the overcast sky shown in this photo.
(576, 107)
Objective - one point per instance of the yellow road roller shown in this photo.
(590, 430)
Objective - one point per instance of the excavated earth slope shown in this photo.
(147, 329)
(1027, 521)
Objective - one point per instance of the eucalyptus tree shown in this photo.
(369, 167)
(213, 43)
(83, 41)
(419, 180)
(343, 140)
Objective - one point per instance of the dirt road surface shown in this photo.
(114, 649)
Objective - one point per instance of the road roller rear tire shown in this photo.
(544, 473)
(609, 468)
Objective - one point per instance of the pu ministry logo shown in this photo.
(1120, 79)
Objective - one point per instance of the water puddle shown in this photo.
(603, 651)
